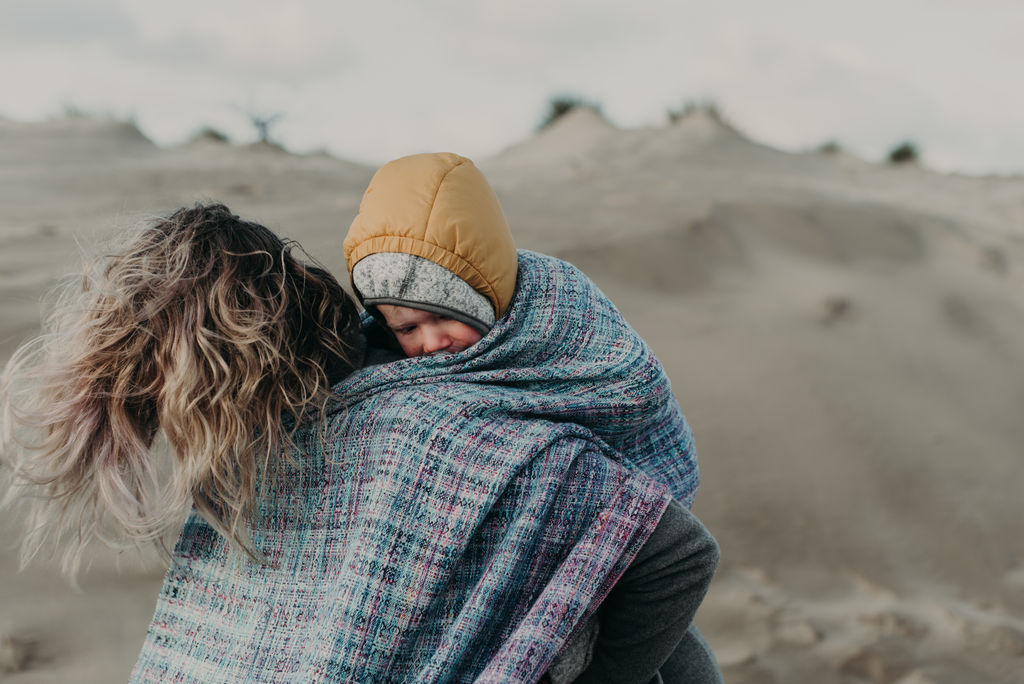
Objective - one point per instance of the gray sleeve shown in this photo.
(652, 605)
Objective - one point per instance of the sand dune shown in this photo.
(847, 340)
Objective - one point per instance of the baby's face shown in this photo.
(424, 332)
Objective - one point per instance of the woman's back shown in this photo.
(412, 541)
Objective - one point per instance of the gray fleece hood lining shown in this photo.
(406, 280)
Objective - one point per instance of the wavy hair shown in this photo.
(203, 327)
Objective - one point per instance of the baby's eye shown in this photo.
(404, 330)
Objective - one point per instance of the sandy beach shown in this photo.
(846, 339)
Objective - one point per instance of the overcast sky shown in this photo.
(377, 79)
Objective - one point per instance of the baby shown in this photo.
(430, 256)
(430, 253)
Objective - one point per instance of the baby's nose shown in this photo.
(435, 341)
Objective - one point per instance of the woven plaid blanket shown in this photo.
(455, 519)
(564, 352)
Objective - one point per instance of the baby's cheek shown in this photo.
(410, 348)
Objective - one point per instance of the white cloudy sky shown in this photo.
(380, 78)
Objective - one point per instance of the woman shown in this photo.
(395, 527)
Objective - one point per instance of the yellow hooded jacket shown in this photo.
(439, 207)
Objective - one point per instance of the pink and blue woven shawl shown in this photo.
(455, 520)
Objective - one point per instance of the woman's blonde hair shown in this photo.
(203, 326)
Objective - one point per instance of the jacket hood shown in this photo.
(441, 208)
